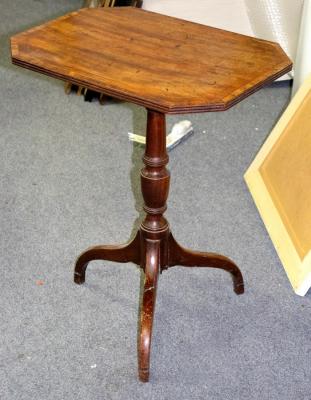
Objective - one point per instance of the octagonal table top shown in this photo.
(162, 63)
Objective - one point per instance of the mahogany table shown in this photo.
(169, 66)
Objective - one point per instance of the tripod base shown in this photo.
(154, 249)
(154, 256)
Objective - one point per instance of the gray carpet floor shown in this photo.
(69, 179)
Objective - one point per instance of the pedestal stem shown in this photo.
(155, 178)
(154, 230)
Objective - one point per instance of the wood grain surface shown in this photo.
(279, 181)
(288, 166)
(162, 63)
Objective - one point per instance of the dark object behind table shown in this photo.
(133, 3)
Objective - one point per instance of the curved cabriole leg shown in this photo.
(152, 268)
(129, 252)
(188, 258)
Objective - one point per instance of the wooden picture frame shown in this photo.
(279, 180)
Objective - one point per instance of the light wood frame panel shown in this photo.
(279, 180)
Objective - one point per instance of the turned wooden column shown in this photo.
(155, 180)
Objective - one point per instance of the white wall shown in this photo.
(225, 14)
